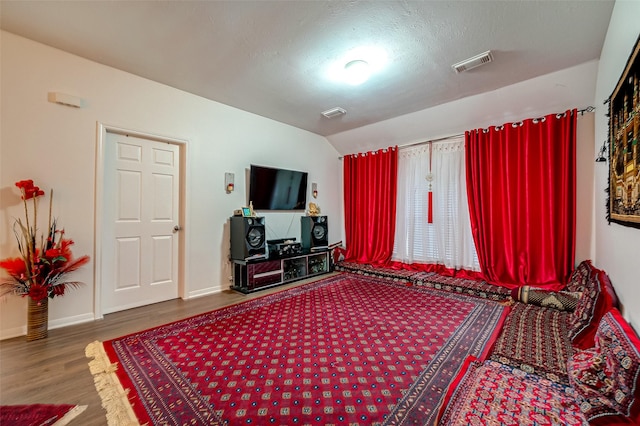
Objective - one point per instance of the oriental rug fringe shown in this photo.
(342, 350)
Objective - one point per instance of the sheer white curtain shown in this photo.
(448, 240)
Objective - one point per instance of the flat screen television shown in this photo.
(277, 189)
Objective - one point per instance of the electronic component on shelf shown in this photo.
(286, 247)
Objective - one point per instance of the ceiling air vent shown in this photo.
(334, 112)
(476, 61)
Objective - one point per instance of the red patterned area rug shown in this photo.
(39, 414)
(342, 350)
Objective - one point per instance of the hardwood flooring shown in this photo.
(55, 370)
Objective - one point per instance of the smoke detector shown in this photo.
(334, 112)
(474, 62)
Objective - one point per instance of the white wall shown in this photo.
(56, 147)
(617, 246)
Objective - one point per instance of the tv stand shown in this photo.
(258, 274)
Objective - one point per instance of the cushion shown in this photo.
(337, 254)
(596, 300)
(588, 376)
(606, 378)
(535, 340)
(561, 300)
(368, 270)
(580, 276)
(472, 287)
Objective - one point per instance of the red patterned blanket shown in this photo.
(491, 393)
(342, 350)
(39, 414)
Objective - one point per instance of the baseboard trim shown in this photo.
(64, 322)
(53, 324)
(204, 292)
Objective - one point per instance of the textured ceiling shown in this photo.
(272, 57)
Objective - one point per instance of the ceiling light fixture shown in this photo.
(374, 58)
(357, 72)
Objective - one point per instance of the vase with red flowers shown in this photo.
(40, 272)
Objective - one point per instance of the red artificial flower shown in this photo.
(14, 266)
(55, 255)
(38, 292)
(62, 253)
(24, 184)
(52, 253)
(32, 193)
(40, 270)
(28, 189)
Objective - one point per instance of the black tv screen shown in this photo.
(277, 189)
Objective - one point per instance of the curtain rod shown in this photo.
(422, 142)
(430, 140)
(590, 108)
(580, 111)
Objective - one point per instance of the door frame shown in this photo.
(101, 140)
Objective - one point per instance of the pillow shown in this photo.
(337, 254)
(593, 372)
(560, 300)
(580, 276)
(589, 376)
(593, 304)
(606, 378)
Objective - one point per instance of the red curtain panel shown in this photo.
(370, 185)
(521, 184)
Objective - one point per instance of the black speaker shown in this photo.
(247, 237)
(315, 231)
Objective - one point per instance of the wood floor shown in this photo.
(55, 370)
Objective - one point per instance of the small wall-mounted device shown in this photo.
(314, 190)
(228, 182)
(602, 154)
(64, 99)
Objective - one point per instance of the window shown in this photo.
(448, 240)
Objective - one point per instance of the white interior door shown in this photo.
(141, 204)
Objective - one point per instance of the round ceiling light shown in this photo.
(356, 72)
(370, 59)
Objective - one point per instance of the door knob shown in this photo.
(176, 228)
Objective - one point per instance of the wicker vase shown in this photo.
(37, 319)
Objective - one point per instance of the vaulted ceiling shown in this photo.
(274, 58)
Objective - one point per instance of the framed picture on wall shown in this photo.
(624, 145)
